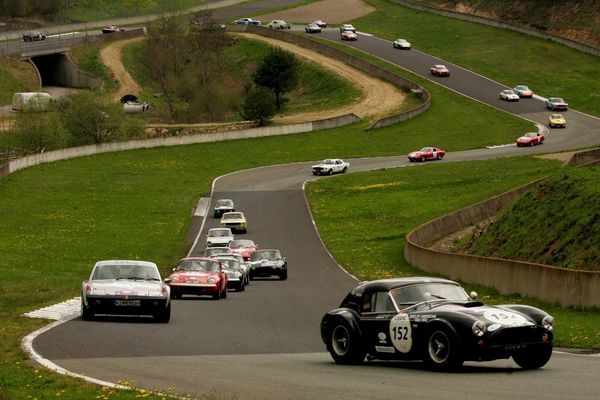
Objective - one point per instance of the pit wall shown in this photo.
(349, 59)
(544, 282)
(492, 22)
(63, 154)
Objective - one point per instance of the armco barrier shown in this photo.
(492, 22)
(552, 284)
(355, 62)
(56, 155)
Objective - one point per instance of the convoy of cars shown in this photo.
(433, 320)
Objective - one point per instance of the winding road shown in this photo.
(264, 343)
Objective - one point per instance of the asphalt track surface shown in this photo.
(264, 343)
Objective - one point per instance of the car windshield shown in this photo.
(127, 271)
(215, 250)
(556, 116)
(232, 216)
(219, 233)
(198, 265)
(265, 254)
(230, 263)
(428, 291)
(556, 100)
(327, 162)
(531, 134)
(236, 244)
(425, 149)
(224, 203)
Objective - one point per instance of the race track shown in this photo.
(264, 343)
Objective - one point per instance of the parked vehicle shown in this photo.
(21, 100)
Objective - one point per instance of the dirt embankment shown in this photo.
(330, 11)
(111, 57)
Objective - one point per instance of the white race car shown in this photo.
(401, 44)
(330, 166)
(125, 287)
(219, 237)
(509, 95)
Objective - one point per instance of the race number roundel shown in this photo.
(401, 333)
(504, 317)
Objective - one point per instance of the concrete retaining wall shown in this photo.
(492, 22)
(551, 284)
(349, 59)
(51, 156)
(588, 157)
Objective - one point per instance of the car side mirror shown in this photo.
(473, 295)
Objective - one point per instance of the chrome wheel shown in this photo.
(340, 340)
(439, 347)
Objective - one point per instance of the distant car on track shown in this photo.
(243, 263)
(509, 95)
(427, 153)
(219, 237)
(319, 23)
(330, 166)
(236, 274)
(523, 91)
(111, 29)
(279, 24)
(348, 35)
(243, 247)
(247, 21)
(236, 221)
(401, 44)
(436, 321)
(347, 27)
(125, 287)
(530, 139)
(557, 121)
(212, 251)
(34, 36)
(439, 70)
(556, 104)
(268, 262)
(223, 206)
(312, 28)
(199, 276)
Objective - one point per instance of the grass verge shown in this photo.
(87, 59)
(16, 76)
(386, 205)
(550, 69)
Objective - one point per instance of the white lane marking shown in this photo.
(202, 207)
(59, 312)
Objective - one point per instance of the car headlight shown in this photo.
(478, 328)
(548, 322)
(212, 279)
(174, 278)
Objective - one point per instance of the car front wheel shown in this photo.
(442, 351)
(163, 315)
(344, 345)
(86, 312)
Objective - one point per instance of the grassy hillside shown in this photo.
(557, 223)
(16, 76)
(570, 19)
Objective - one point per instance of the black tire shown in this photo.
(239, 287)
(344, 344)
(86, 312)
(442, 351)
(531, 143)
(164, 315)
(217, 296)
(330, 172)
(533, 358)
(423, 158)
(224, 294)
(283, 275)
(345, 170)
(438, 157)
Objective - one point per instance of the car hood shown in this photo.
(266, 262)
(415, 153)
(127, 288)
(220, 239)
(491, 315)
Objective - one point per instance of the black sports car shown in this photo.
(267, 262)
(433, 320)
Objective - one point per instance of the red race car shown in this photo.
(199, 276)
(427, 153)
(530, 139)
(243, 247)
(349, 35)
(439, 70)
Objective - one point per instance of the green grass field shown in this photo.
(16, 76)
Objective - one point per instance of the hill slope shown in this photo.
(574, 19)
(557, 223)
